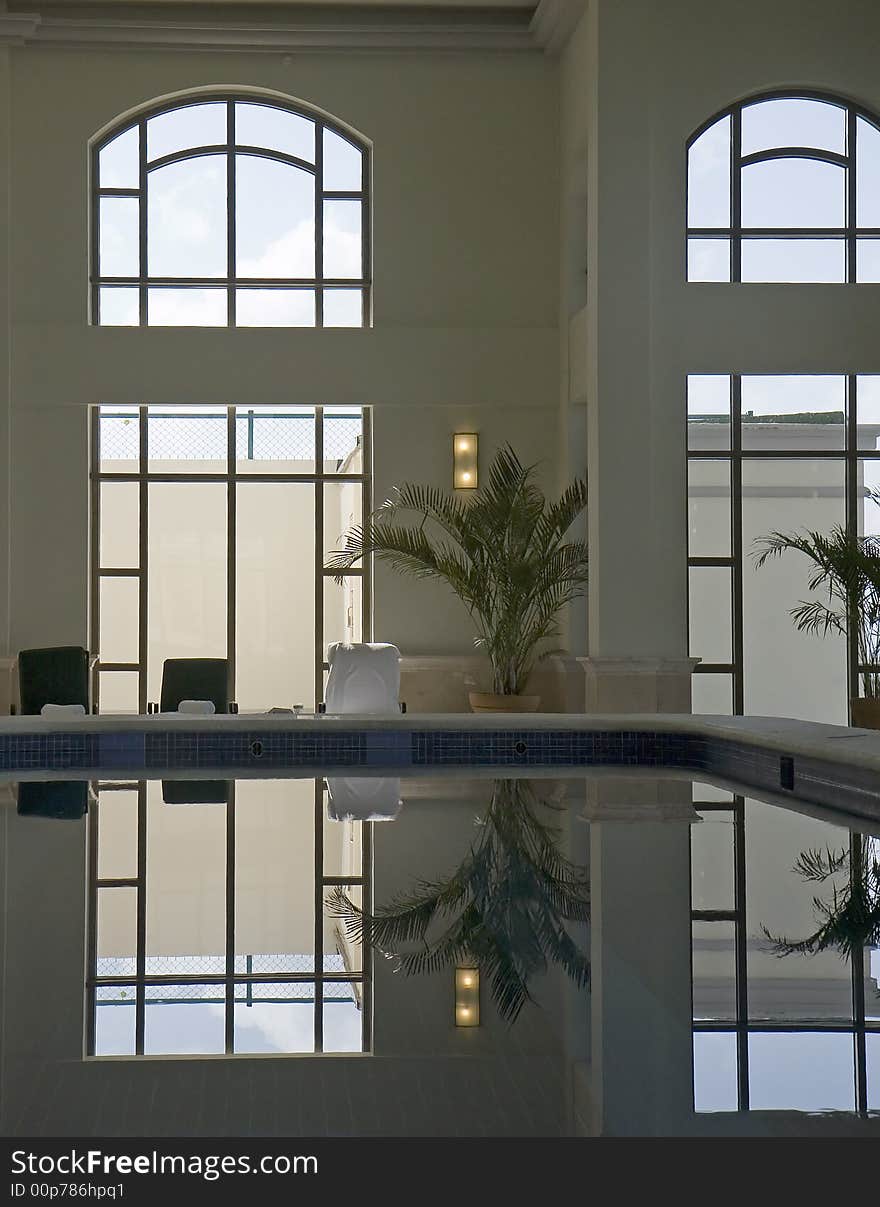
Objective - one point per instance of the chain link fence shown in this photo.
(259, 436)
(215, 965)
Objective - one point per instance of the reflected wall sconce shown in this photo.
(465, 453)
(467, 997)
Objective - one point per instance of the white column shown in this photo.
(641, 1073)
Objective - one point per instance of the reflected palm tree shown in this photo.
(504, 909)
(850, 918)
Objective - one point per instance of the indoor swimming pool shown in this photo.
(413, 928)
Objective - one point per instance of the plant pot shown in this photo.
(865, 713)
(491, 702)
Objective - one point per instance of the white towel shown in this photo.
(62, 710)
(364, 678)
(363, 799)
(202, 708)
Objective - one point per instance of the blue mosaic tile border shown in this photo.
(811, 779)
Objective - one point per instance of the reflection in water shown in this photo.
(849, 919)
(504, 907)
(60, 799)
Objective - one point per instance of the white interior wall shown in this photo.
(460, 321)
(657, 72)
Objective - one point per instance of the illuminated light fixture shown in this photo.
(465, 451)
(467, 997)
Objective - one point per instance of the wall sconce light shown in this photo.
(467, 997)
(465, 450)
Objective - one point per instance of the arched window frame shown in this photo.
(735, 232)
(230, 148)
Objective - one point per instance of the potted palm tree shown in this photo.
(502, 551)
(845, 572)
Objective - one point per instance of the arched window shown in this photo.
(785, 188)
(230, 211)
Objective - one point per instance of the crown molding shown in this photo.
(554, 21)
(420, 29)
(17, 29)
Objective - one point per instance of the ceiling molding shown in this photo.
(17, 29)
(508, 29)
(554, 22)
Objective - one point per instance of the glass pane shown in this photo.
(868, 260)
(185, 886)
(868, 411)
(275, 552)
(275, 440)
(712, 861)
(712, 695)
(116, 922)
(793, 122)
(118, 691)
(789, 673)
(186, 207)
(343, 164)
(187, 440)
(118, 307)
(118, 242)
(715, 1071)
(708, 402)
(188, 126)
(120, 525)
(867, 173)
(187, 575)
(119, 439)
(342, 511)
(872, 1045)
(259, 125)
(119, 619)
(275, 875)
(342, 952)
(184, 1019)
(708, 508)
(804, 1071)
(868, 488)
(793, 192)
(275, 307)
(800, 412)
(275, 219)
(708, 260)
(710, 618)
(187, 308)
(342, 846)
(709, 177)
(343, 433)
(714, 969)
(794, 260)
(343, 1024)
(274, 1018)
(780, 900)
(115, 1020)
(118, 166)
(704, 792)
(117, 835)
(342, 611)
(343, 308)
(342, 239)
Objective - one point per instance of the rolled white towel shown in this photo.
(202, 708)
(62, 710)
(363, 799)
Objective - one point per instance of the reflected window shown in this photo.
(784, 188)
(231, 211)
(210, 931)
